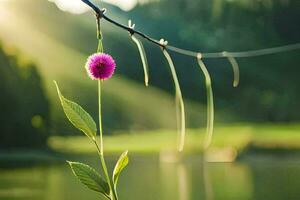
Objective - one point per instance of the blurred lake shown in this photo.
(147, 178)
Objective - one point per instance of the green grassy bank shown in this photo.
(239, 137)
(229, 143)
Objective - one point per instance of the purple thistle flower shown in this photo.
(100, 66)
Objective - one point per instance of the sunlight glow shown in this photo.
(78, 7)
(3, 11)
(125, 5)
(72, 6)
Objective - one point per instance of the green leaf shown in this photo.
(90, 178)
(121, 164)
(78, 116)
(143, 57)
(180, 110)
(210, 105)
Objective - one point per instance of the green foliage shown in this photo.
(84, 122)
(24, 106)
(78, 116)
(120, 165)
(90, 178)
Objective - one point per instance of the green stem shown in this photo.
(100, 117)
(99, 36)
(112, 189)
(100, 149)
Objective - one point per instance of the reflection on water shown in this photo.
(183, 183)
(149, 179)
(209, 194)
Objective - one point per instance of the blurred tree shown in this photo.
(23, 104)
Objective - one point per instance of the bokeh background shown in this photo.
(257, 124)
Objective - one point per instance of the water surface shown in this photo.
(148, 178)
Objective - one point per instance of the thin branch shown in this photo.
(101, 14)
(253, 53)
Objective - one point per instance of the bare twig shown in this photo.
(101, 14)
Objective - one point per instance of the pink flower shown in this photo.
(100, 66)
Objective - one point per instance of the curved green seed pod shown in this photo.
(143, 58)
(210, 104)
(180, 110)
(235, 68)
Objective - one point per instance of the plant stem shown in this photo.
(100, 117)
(100, 149)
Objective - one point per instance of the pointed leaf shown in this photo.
(78, 116)
(121, 164)
(90, 178)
